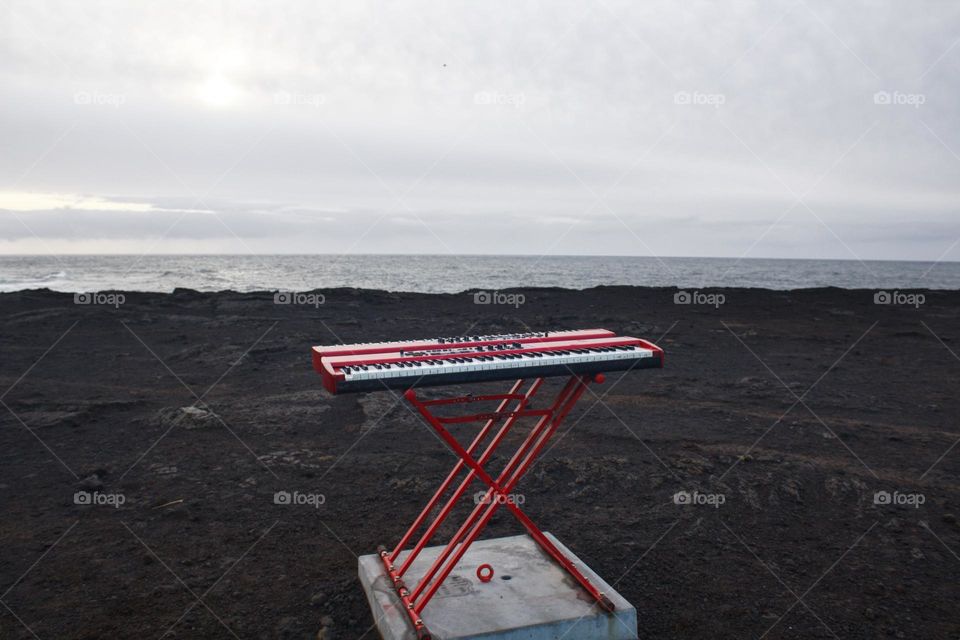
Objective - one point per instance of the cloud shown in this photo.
(25, 201)
(688, 129)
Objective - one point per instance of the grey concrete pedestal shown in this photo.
(529, 598)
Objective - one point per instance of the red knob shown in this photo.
(485, 573)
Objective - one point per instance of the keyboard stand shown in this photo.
(512, 405)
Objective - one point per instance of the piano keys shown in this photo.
(440, 361)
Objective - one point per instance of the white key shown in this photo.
(525, 361)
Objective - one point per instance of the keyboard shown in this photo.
(459, 359)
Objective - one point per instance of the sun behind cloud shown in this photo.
(218, 92)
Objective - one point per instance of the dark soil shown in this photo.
(795, 408)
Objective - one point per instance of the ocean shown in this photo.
(451, 274)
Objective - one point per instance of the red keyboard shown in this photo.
(454, 360)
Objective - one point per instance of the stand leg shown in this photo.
(501, 496)
(457, 468)
(497, 492)
(469, 522)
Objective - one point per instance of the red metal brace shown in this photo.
(497, 492)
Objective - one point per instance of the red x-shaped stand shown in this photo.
(497, 493)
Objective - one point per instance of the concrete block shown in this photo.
(529, 598)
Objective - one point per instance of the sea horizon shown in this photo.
(444, 273)
(448, 255)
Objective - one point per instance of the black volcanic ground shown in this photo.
(798, 407)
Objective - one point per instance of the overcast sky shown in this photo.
(767, 129)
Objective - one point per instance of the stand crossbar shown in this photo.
(497, 489)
